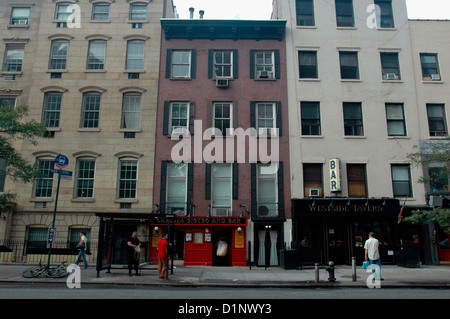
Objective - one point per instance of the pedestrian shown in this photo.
(133, 253)
(82, 247)
(162, 256)
(372, 254)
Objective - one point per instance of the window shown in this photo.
(353, 120)
(58, 54)
(395, 119)
(3, 166)
(63, 11)
(305, 12)
(267, 191)
(52, 109)
(74, 236)
(138, 11)
(96, 55)
(221, 189)
(43, 185)
(310, 112)
(223, 64)
(356, 179)
(223, 116)
(266, 118)
(264, 64)
(176, 187)
(91, 110)
(312, 180)
(436, 119)
(128, 168)
(438, 177)
(308, 64)
(37, 237)
(401, 181)
(7, 101)
(344, 13)
(386, 19)
(390, 66)
(85, 178)
(12, 61)
(131, 111)
(179, 116)
(179, 64)
(20, 16)
(135, 55)
(100, 11)
(349, 65)
(430, 67)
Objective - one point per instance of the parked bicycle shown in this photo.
(40, 270)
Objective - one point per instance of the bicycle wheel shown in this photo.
(31, 273)
(59, 272)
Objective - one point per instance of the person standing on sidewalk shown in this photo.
(82, 246)
(373, 255)
(133, 250)
(162, 256)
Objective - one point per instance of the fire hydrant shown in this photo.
(330, 270)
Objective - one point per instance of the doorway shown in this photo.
(220, 237)
(337, 242)
(443, 246)
(267, 248)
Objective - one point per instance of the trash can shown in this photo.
(408, 256)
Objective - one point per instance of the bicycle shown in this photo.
(42, 271)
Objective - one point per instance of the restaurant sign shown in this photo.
(219, 221)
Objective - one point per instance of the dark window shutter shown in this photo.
(190, 188)
(163, 186)
(208, 181)
(277, 64)
(235, 181)
(280, 190)
(193, 63)
(252, 64)
(253, 114)
(168, 63)
(253, 190)
(279, 118)
(210, 63)
(235, 64)
(191, 117)
(166, 118)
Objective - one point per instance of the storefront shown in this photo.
(335, 229)
(201, 240)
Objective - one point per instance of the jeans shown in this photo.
(82, 254)
(375, 264)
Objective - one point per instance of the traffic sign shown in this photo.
(63, 172)
(51, 234)
(61, 161)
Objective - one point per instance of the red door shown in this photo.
(443, 246)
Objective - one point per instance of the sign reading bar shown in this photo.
(335, 175)
(204, 220)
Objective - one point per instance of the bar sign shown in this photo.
(335, 175)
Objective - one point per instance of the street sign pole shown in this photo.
(54, 215)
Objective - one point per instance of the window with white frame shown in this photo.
(265, 64)
(223, 64)
(100, 11)
(20, 16)
(58, 54)
(135, 55)
(43, 185)
(128, 173)
(138, 11)
(96, 55)
(85, 178)
(13, 59)
(131, 110)
(91, 110)
(63, 11)
(223, 117)
(221, 184)
(176, 189)
(52, 109)
(179, 116)
(266, 118)
(267, 190)
(181, 64)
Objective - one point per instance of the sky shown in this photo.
(245, 9)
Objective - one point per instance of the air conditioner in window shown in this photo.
(21, 22)
(61, 24)
(221, 211)
(435, 77)
(222, 83)
(264, 74)
(314, 192)
(390, 76)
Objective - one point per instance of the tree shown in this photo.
(436, 153)
(13, 128)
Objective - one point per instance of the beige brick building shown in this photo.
(93, 81)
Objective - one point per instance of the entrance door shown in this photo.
(267, 247)
(337, 242)
(443, 246)
(220, 236)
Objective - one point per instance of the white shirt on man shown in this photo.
(372, 248)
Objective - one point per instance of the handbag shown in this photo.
(365, 264)
(81, 245)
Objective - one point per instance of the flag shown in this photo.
(400, 215)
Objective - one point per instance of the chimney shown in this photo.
(202, 12)
(191, 10)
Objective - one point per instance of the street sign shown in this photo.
(63, 172)
(61, 161)
(51, 234)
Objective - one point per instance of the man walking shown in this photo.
(373, 255)
(162, 256)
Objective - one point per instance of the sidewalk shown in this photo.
(207, 276)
